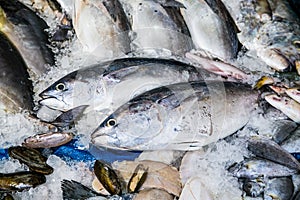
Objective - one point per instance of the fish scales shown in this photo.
(183, 116)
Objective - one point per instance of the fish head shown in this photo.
(60, 95)
(131, 127)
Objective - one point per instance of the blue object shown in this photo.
(3, 154)
(296, 155)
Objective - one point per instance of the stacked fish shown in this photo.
(151, 77)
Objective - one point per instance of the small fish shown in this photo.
(16, 88)
(270, 150)
(256, 168)
(19, 181)
(107, 177)
(32, 158)
(47, 140)
(183, 116)
(294, 93)
(17, 18)
(212, 28)
(280, 188)
(286, 105)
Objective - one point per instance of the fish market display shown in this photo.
(184, 116)
(149, 99)
(16, 89)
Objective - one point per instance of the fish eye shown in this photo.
(60, 87)
(111, 122)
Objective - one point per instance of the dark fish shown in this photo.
(15, 86)
(26, 30)
(107, 177)
(253, 187)
(32, 158)
(19, 181)
(282, 130)
(270, 150)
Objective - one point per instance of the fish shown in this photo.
(270, 150)
(32, 158)
(15, 86)
(48, 140)
(286, 105)
(279, 188)
(253, 168)
(19, 181)
(106, 86)
(212, 28)
(108, 28)
(291, 144)
(270, 28)
(26, 31)
(282, 129)
(294, 93)
(157, 30)
(183, 116)
(107, 177)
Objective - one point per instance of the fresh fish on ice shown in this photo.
(107, 86)
(286, 105)
(102, 28)
(155, 29)
(15, 86)
(211, 27)
(26, 31)
(183, 116)
(270, 150)
(255, 168)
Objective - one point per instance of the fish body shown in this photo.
(270, 150)
(255, 168)
(19, 181)
(279, 188)
(294, 93)
(156, 29)
(211, 27)
(286, 105)
(107, 86)
(15, 86)
(183, 116)
(108, 28)
(27, 33)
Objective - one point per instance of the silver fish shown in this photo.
(27, 32)
(255, 168)
(111, 84)
(156, 29)
(211, 27)
(183, 116)
(270, 150)
(15, 87)
(279, 188)
(108, 28)
(47, 140)
(282, 129)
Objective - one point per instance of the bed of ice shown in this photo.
(210, 163)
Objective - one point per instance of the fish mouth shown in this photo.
(53, 103)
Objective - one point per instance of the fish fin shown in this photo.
(68, 117)
(75, 190)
